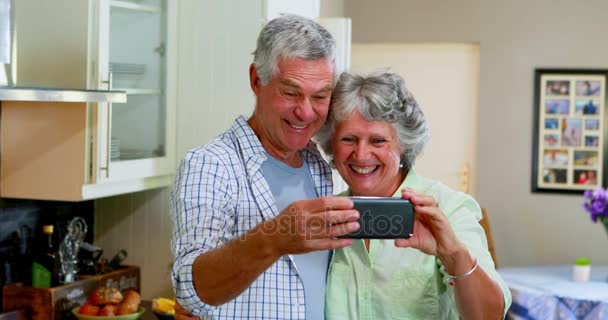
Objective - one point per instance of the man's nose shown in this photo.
(305, 111)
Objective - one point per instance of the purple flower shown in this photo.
(598, 206)
(588, 194)
(595, 202)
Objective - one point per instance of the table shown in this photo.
(548, 292)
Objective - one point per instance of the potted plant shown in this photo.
(581, 270)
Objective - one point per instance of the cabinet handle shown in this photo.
(109, 81)
(109, 140)
(160, 50)
(109, 135)
(109, 129)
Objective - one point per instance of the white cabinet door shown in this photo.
(135, 140)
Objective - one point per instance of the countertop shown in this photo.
(60, 95)
(148, 314)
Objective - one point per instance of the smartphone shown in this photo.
(383, 218)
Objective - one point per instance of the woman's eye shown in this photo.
(378, 141)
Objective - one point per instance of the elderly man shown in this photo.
(253, 216)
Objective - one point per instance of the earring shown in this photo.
(400, 165)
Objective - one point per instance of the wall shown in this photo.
(140, 224)
(213, 81)
(515, 37)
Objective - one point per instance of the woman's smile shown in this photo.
(367, 156)
(365, 170)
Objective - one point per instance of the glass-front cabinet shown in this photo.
(118, 45)
(133, 58)
(137, 66)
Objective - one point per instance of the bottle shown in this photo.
(114, 264)
(44, 267)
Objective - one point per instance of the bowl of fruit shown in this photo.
(110, 304)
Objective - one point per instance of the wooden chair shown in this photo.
(486, 227)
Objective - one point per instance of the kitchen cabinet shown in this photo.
(126, 45)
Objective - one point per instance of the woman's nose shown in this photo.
(361, 151)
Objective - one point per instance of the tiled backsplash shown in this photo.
(21, 224)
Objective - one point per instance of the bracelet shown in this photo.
(452, 278)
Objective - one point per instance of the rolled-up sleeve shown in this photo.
(464, 215)
(202, 220)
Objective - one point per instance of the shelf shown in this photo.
(61, 95)
(140, 92)
(100, 190)
(135, 7)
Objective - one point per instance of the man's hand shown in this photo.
(225, 272)
(311, 225)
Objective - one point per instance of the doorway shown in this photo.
(444, 78)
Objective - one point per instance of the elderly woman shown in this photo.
(374, 132)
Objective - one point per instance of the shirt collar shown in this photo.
(411, 181)
(249, 142)
(251, 145)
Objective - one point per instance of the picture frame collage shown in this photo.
(570, 131)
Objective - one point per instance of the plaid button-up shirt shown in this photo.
(220, 194)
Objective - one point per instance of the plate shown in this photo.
(131, 316)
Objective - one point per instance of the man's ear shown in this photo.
(254, 80)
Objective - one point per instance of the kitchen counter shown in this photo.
(21, 314)
(148, 314)
(60, 95)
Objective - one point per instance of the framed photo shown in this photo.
(570, 135)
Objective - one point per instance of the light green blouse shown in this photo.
(404, 283)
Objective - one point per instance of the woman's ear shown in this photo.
(402, 162)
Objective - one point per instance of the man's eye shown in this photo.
(378, 141)
(290, 93)
(347, 139)
(321, 97)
